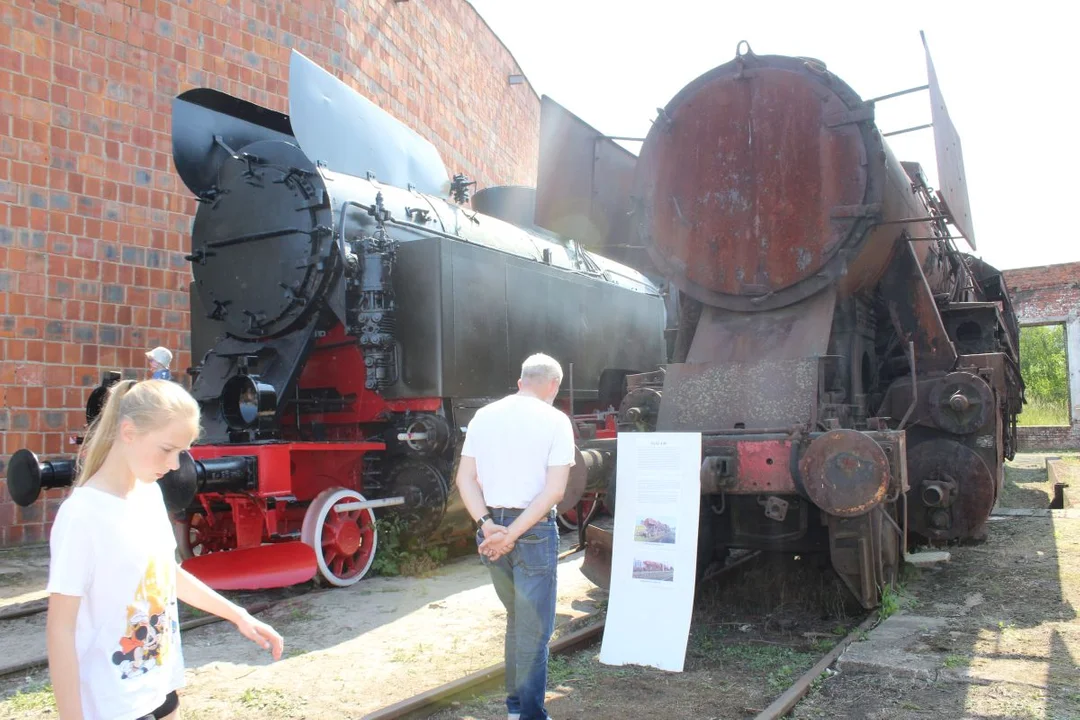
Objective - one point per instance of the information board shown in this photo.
(654, 549)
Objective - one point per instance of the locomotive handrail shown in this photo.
(460, 238)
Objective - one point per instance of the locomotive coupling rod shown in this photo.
(368, 504)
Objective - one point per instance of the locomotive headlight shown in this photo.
(248, 403)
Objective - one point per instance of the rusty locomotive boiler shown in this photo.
(854, 375)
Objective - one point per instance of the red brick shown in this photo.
(93, 107)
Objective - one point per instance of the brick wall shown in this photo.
(1051, 294)
(94, 219)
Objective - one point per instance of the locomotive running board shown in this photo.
(597, 564)
(255, 568)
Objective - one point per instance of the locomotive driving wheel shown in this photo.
(344, 541)
(199, 534)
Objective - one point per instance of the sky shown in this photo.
(1005, 75)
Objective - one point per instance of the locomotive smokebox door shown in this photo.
(263, 251)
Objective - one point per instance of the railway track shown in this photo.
(26, 609)
(430, 701)
(254, 602)
(425, 704)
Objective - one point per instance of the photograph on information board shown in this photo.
(653, 570)
(655, 530)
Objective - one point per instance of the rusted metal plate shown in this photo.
(845, 473)
(795, 331)
(952, 490)
(914, 312)
(961, 403)
(764, 467)
(739, 177)
(583, 184)
(597, 564)
(952, 180)
(717, 396)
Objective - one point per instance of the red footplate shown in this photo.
(256, 568)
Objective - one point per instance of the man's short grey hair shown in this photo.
(541, 368)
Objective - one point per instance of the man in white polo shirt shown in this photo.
(514, 465)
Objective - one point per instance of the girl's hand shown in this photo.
(260, 633)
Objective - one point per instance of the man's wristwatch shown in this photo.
(481, 521)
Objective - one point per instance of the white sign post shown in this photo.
(654, 550)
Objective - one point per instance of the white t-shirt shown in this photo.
(514, 441)
(118, 555)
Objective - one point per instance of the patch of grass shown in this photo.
(398, 554)
(1040, 413)
(955, 661)
(267, 698)
(780, 678)
(705, 640)
(890, 603)
(302, 613)
(407, 655)
(763, 657)
(559, 670)
(36, 696)
(293, 652)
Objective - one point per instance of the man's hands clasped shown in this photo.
(497, 541)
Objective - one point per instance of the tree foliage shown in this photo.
(1042, 364)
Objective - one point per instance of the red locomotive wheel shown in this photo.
(344, 542)
(569, 519)
(199, 535)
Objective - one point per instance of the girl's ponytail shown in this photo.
(99, 437)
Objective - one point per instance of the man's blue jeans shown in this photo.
(524, 580)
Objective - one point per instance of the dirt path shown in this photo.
(348, 651)
(23, 574)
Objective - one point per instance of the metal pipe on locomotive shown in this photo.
(349, 320)
(855, 377)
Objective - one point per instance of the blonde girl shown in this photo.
(113, 631)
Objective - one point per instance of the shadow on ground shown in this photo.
(993, 633)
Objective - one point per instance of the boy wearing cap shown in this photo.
(160, 358)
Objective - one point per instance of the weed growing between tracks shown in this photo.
(396, 554)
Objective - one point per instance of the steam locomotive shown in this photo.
(854, 375)
(350, 319)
